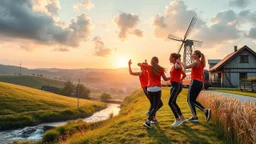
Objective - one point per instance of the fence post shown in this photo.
(252, 86)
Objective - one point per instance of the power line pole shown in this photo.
(78, 89)
(20, 68)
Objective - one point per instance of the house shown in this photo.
(213, 62)
(236, 66)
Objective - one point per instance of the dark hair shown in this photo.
(200, 56)
(174, 55)
(179, 55)
(156, 68)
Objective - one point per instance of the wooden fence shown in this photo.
(248, 86)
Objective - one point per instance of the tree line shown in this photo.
(72, 90)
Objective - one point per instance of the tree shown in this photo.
(68, 88)
(84, 92)
(105, 97)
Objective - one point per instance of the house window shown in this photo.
(243, 76)
(244, 59)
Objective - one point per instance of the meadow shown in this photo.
(21, 106)
(232, 122)
(128, 128)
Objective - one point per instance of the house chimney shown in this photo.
(235, 48)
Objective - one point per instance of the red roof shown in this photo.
(230, 57)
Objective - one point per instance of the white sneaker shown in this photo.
(177, 123)
(174, 123)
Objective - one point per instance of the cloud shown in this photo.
(175, 20)
(224, 27)
(61, 49)
(100, 48)
(252, 33)
(53, 7)
(239, 3)
(19, 21)
(86, 4)
(127, 23)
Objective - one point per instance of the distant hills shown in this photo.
(31, 81)
(102, 78)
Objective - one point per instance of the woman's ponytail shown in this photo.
(203, 59)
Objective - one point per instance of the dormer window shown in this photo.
(244, 59)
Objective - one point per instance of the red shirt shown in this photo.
(144, 79)
(154, 79)
(175, 74)
(197, 72)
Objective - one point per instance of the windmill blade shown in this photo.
(190, 27)
(173, 37)
(180, 47)
(197, 43)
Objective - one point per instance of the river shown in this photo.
(35, 133)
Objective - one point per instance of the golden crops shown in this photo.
(236, 119)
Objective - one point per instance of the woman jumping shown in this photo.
(143, 76)
(154, 88)
(176, 79)
(196, 85)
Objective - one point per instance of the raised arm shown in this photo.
(194, 64)
(177, 66)
(130, 70)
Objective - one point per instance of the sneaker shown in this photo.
(174, 122)
(193, 119)
(148, 125)
(177, 123)
(208, 115)
(155, 121)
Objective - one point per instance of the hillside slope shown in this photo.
(20, 106)
(31, 81)
(127, 126)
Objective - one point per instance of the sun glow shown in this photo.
(121, 61)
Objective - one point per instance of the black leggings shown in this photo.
(146, 93)
(175, 91)
(194, 90)
(155, 98)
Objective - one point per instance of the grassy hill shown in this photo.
(20, 106)
(127, 126)
(31, 81)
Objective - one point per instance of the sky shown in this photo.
(74, 34)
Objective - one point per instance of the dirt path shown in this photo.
(242, 98)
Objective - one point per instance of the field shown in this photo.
(31, 81)
(127, 126)
(21, 106)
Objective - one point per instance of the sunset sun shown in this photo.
(121, 61)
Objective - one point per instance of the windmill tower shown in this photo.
(187, 43)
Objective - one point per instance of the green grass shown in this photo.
(127, 126)
(21, 106)
(31, 81)
(236, 91)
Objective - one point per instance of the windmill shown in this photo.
(187, 43)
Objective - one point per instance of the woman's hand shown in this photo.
(130, 62)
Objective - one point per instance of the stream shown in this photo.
(35, 133)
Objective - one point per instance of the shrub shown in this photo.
(51, 136)
(105, 97)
